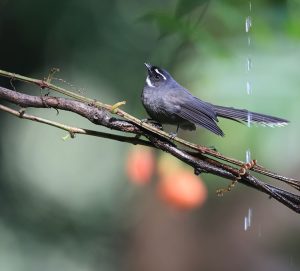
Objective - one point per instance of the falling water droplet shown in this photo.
(245, 223)
(248, 24)
(248, 156)
(249, 217)
(249, 64)
(248, 220)
(249, 119)
(248, 88)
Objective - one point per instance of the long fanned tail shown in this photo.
(242, 115)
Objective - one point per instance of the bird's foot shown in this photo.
(152, 122)
(172, 135)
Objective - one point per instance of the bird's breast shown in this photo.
(156, 105)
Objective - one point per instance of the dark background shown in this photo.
(68, 205)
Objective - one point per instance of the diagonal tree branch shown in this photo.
(101, 116)
(87, 111)
(46, 83)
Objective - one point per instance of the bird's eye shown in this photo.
(159, 75)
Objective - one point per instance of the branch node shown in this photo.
(197, 171)
(51, 74)
(66, 137)
(71, 134)
(247, 166)
(92, 103)
(42, 84)
(21, 112)
(44, 100)
(115, 107)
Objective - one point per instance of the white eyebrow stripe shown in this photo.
(165, 78)
(148, 81)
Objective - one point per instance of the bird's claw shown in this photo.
(152, 122)
(172, 135)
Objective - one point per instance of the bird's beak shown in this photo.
(148, 66)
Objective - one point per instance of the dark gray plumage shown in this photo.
(168, 102)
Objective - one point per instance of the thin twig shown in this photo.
(75, 130)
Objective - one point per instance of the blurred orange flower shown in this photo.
(140, 165)
(182, 190)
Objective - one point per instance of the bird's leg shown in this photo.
(173, 135)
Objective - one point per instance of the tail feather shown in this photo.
(243, 115)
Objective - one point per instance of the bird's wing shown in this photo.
(196, 111)
(200, 119)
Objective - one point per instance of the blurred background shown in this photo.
(81, 204)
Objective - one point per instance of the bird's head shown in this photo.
(157, 77)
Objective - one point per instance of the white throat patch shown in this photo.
(148, 81)
(161, 74)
